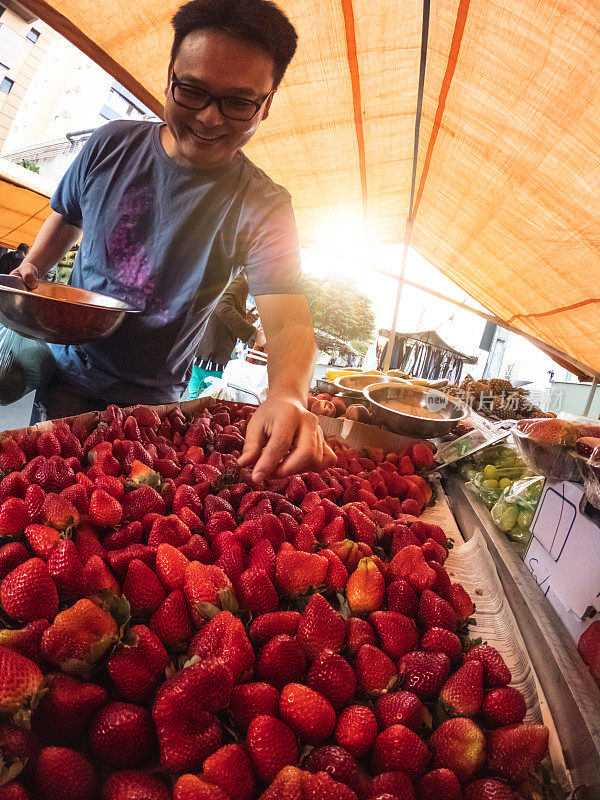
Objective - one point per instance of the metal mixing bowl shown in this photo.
(447, 413)
(54, 312)
(354, 384)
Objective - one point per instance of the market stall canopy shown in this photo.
(506, 196)
(426, 355)
(24, 204)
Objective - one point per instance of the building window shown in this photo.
(33, 35)
(6, 85)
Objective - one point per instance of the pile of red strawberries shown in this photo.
(172, 630)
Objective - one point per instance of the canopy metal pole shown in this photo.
(588, 405)
(392, 337)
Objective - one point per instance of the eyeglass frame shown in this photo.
(216, 98)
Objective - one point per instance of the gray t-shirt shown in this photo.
(167, 239)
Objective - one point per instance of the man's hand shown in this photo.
(28, 273)
(284, 438)
(260, 342)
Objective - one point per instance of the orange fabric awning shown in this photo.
(24, 204)
(507, 200)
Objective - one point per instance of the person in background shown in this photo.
(12, 260)
(228, 323)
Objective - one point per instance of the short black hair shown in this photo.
(24, 248)
(259, 22)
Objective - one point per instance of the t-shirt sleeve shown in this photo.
(67, 198)
(273, 257)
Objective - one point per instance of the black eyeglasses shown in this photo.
(196, 99)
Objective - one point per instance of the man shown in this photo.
(11, 260)
(170, 214)
(228, 323)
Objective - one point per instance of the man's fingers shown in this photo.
(253, 445)
(306, 454)
(27, 274)
(329, 457)
(277, 447)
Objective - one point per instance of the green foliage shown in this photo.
(30, 165)
(340, 309)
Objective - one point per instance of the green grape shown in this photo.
(508, 518)
(489, 483)
(504, 483)
(525, 519)
(490, 472)
(471, 473)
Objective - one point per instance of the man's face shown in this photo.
(222, 65)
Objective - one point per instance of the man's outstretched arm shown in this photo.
(56, 237)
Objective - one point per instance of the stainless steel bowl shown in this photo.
(429, 413)
(57, 313)
(354, 384)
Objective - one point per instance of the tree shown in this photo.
(340, 309)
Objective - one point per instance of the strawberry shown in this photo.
(401, 536)
(186, 497)
(172, 622)
(256, 592)
(358, 632)
(63, 774)
(282, 661)
(333, 677)
(19, 747)
(34, 500)
(460, 601)
(356, 730)
(462, 694)
(42, 539)
(14, 517)
(434, 552)
(59, 513)
(207, 588)
(12, 458)
(297, 572)
(77, 495)
(141, 475)
(262, 556)
(439, 783)
(31, 468)
(589, 648)
(119, 560)
(272, 746)
(136, 670)
(66, 570)
(14, 485)
(410, 565)
(396, 633)
(249, 700)
(170, 566)
(230, 768)
(224, 636)
(421, 455)
(395, 784)
(294, 783)
(411, 507)
(399, 748)
(350, 553)
(400, 708)
(11, 555)
(67, 708)
(424, 673)
(190, 787)
(142, 588)
(26, 640)
(29, 593)
(54, 475)
(334, 532)
(142, 501)
(489, 789)
(459, 745)
(375, 671)
(88, 544)
(267, 626)
(320, 627)
(122, 735)
(365, 589)
(503, 706)
(48, 444)
(134, 784)
(99, 579)
(496, 673)
(515, 750)
(362, 529)
(169, 529)
(335, 762)
(78, 637)
(183, 714)
(21, 682)
(117, 539)
(439, 640)
(105, 511)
